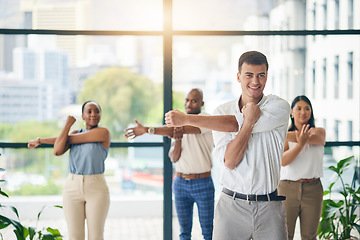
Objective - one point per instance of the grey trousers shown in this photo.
(237, 219)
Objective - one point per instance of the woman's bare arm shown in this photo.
(317, 136)
(60, 144)
(302, 137)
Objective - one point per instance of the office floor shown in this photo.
(145, 228)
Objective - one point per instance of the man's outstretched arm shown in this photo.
(221, 123)
(166, 131)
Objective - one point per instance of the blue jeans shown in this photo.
(199, 191)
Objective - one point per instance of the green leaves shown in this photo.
(338, 216)
(54, 233)
(4, 222)
(326, 227)
(19, 230)
(30, 233)
(330, 208)
(342, 165)
(3, 193)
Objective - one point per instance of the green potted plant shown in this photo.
(339, 219)
(26, 233)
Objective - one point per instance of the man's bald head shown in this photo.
(194, 101)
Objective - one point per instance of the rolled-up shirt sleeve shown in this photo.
(222, 139)
(274, 114)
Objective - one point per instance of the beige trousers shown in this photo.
(86, 197)
(303, 200)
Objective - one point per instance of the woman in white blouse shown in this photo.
(302, 167)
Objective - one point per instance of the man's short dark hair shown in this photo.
(253, 58)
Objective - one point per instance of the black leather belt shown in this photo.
(252, 197)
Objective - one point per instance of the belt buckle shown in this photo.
(187, 176)
(252, 197)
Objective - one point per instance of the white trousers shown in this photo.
(86, 197)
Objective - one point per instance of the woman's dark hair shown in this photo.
(83, 106)
(311, 121)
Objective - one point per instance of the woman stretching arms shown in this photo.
(86, 195)
(302, 167)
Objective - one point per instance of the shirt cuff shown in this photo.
(239, 119)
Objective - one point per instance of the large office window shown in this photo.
(56, 54)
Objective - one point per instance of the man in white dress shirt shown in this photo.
(249, 135)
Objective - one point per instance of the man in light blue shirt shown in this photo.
(249, 135)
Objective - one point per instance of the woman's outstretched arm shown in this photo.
(99, 134)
